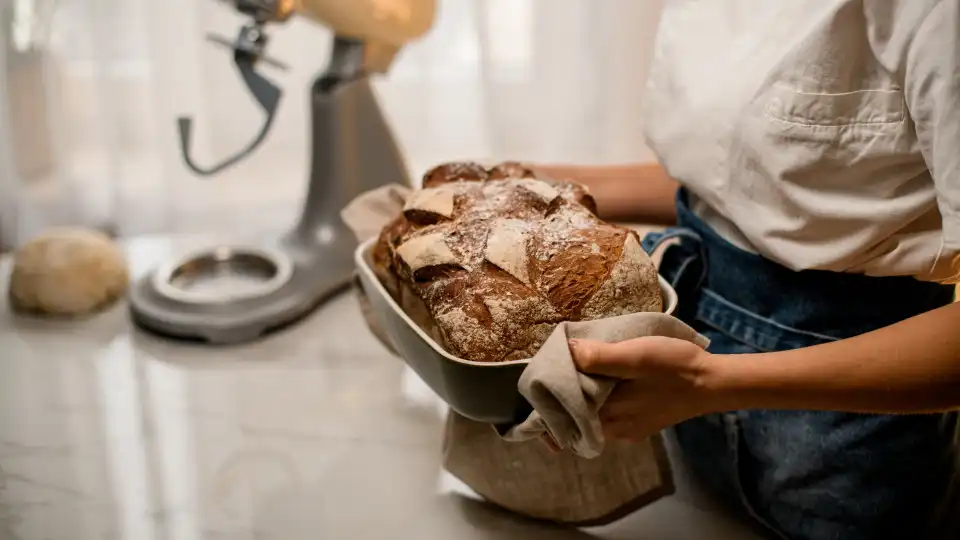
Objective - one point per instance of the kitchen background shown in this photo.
(90, 90)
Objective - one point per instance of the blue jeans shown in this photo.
(805, 475)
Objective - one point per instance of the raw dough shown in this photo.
(67, 272)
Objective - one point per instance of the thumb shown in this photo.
(618, 360)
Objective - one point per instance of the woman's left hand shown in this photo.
(664, 381)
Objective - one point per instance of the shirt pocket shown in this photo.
(824, 141)
(867, 108)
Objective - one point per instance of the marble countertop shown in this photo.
(316, 432)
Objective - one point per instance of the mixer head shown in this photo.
(264, 10)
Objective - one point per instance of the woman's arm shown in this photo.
(637, 193)
(909, 367)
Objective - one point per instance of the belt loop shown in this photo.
(655, 240)
(652, 241)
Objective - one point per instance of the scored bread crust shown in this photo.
(489, 261)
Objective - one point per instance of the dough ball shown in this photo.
(67, 272)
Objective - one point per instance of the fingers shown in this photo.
(618, 360)
(598, 358)
(614, 409)
(633, 357)
(635, 411)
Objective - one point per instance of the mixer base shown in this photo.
(231, 294)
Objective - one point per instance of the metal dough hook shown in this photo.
(248, 50)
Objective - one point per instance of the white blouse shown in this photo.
(822, 134)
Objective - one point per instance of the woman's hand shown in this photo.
(664, 381)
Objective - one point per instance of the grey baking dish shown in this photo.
(485, 392)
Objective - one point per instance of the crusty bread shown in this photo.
(488, 261)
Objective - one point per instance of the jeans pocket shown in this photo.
(754, 330)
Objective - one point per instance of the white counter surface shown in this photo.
(315, 433)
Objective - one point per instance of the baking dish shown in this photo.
(481, 391)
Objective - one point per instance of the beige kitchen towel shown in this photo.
(366, 216)
(369, 213)
(566, 402)
(528, 479)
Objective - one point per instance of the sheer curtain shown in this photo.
(91, 89)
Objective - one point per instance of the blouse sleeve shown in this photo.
(931, 71)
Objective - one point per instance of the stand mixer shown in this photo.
(230, 293)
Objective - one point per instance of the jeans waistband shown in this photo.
(718, 280)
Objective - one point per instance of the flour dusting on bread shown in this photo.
(497, 258)
(539, 188)
(507, 247)
(426, 251)
(432, 203)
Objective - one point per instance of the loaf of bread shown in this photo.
(489, 261)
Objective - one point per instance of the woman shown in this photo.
(816, 144)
